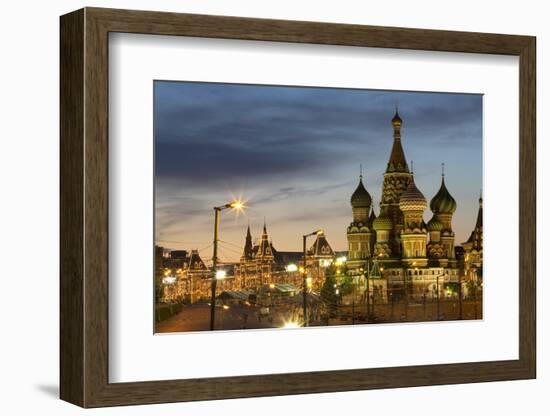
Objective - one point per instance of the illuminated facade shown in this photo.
(414, 257)
(261, 264)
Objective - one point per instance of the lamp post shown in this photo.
(237, 205)
(439, 294)
(368, 289)
(304, 280)
(459, 295)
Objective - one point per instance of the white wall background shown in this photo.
(29, 84)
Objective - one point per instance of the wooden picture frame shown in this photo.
(84, 207)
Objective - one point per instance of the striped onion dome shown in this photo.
(443, 202)
(412, 199)
(434, 224)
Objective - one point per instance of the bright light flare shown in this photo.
(220, 274)
(237, 204)
(341, 260)
(291, 324)
(325, 262)
(291, 268)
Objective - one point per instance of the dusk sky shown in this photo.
(293, 154)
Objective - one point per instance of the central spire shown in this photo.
(397, 162)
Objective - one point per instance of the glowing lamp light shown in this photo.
(237, 204)
(225, 307)
(291, 324)
(291, 268)
(220, 274)
(169, 280)
(341, 260)
(325, 262)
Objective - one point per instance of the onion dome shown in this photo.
(382, 223)
(412, 199)
(361, 198)
(396, 120)
(443, 202)
(434, 224)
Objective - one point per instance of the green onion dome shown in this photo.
(361, 198)
(382, 223)
(443, 202)
(434, 224)
(412, 199)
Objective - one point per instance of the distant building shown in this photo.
(179, 254)
(261, 264)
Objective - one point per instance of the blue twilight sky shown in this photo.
(293, 154)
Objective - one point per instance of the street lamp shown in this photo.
(237, 205)
(304, 282)
(438, 292)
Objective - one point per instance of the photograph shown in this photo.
(280, 207)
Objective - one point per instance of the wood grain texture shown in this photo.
(71, 100)
(84, 205)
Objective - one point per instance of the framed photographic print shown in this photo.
(255, 207)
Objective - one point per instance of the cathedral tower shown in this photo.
(359, 233)
(414, 233)
(396, 180)
(443, 205)
(473, 248)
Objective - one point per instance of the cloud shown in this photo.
(287, 147)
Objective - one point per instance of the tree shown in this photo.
(328, 291)
(347, 285)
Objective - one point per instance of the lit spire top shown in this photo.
(396, 120)
(397, 162)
